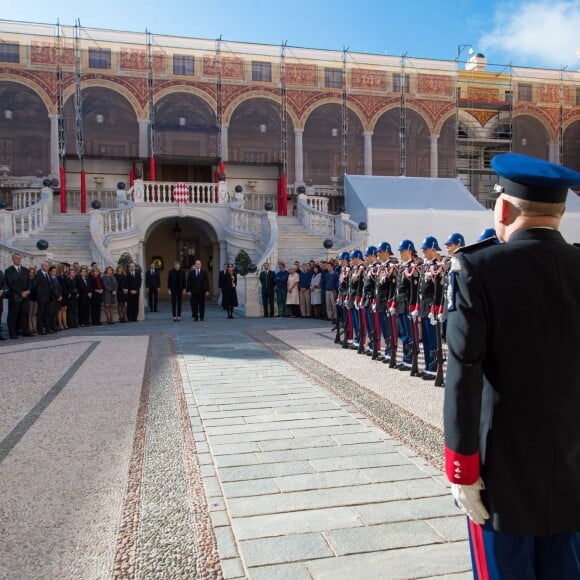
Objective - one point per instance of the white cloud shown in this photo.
(536, 32)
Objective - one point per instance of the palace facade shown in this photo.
(110, 102)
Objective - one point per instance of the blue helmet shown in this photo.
(356, 254)
(385, 247)
(407, 245)
(456, 239)
(430, 243)
(486, 234)
(371, 251)
(344, 256)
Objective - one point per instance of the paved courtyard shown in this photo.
(246, 448)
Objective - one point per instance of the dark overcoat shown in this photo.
(512, 393)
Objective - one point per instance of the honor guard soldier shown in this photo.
(355, 285)
(511, 409)
(342, 304)
(385, 285)
(406, 295)
(368, 305)
(453, 243)
(430, 291)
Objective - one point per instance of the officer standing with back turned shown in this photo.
(512, 405)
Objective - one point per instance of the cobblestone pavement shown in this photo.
(245, 448)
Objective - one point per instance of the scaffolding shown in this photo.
(403, 120)
(344, 115)
(218, 89)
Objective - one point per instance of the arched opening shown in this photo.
(530, 137)
(186, 138)
(183, 239)
(254, 140)
(322, 143)
(571, 148)
(24, 132)
(109, 126)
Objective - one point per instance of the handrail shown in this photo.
(6, 251)
(20, 223)
(314, 220)
(106, 224)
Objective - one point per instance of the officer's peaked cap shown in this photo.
(385, 247)
(456, 239)
(406, 245)
(430, 242)
(356, 254)
(371, 251)
(533, 179)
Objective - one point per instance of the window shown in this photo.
(333, 78)
(100, 58)
(183, 64)
(524, 92)
(261, 71)
(400, 83)
(9, 52)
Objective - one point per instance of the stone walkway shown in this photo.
(225, 449)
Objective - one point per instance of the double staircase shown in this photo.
(295, 242)
(68, 236)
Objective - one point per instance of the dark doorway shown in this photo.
(185, 173)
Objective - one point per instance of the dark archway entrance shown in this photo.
(183, 239)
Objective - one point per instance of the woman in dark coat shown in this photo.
(97, 296)
(84, 287)
(122, 291)
(229, 293)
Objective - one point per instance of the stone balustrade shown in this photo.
(154, 192)
(24, 198)
(28, 220)
(314, 220)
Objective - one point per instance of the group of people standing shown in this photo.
(58, 297)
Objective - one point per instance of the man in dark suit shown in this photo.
(512, 394)
(268, 283)
(152, 283)
(17, 283)
(43, 287)
(198, 290)
(134, 281)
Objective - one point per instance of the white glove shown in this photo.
(468, 498)
(432, 318)
(441, 318)
(415, 314)
(392, 311)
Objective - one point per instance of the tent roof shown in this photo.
(407, 193)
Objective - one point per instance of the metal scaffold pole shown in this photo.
(344, 158)
(403, 121)
(60, 119)
(218, 70)
(151, 107)
(79, 114)
(561, 119)
(282, 188)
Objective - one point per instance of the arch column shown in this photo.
(553, 152)
(368, 153)
(298, 157)
(54, 156)
(225, 143)
(434, 169)
(143, 138)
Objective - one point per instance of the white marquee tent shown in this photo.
(396, 208)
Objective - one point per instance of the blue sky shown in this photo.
(539, 33)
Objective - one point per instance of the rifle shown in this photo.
(415, 346)
(394, 339)
(346, 322)
(362, 328)
(339, 310)
(439, 357)
(376, 330)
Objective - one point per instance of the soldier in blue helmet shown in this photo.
(355, 291)
(369, 305)
(385, 289)
(486, 234)
(430, 291)
(406, 295)
(342, 305)
(454, 242)
(512, 430)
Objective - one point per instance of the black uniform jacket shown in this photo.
(512, 393)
